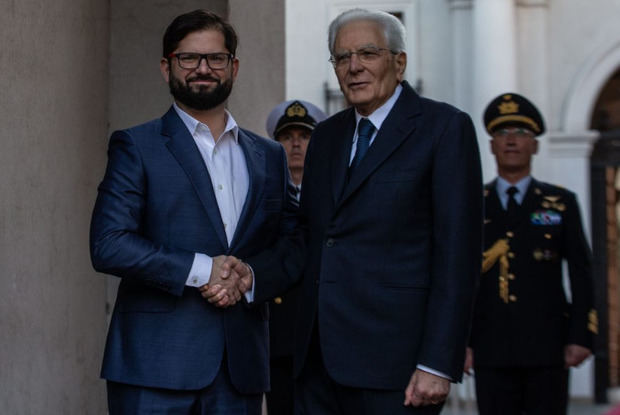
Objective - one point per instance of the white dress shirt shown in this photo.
(376, 118)
(226, 164)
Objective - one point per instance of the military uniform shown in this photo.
(522, 318)
(283, 309)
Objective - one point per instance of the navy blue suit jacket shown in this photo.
(155, 209)
(394, 251)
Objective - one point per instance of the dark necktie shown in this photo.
(512, 208)
(364, 132)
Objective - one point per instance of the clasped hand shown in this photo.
(230, 279)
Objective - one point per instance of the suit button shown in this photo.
(511, 276)
(329, 243)
(547, 236)
(513, 298)
(277, 300)
(510, 234)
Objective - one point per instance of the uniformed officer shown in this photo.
(526, 333)
(291, 123)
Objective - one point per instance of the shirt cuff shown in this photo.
(200, 272)
(249, 294)
(434, 372)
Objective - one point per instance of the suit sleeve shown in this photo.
(117, 242)
(279, 267)
(578, 255)
(456, 246)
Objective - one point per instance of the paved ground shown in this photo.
(575, 408)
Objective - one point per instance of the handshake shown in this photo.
(230, 279)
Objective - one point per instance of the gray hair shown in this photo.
(393, 29)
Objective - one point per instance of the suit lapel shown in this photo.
(183, 147)
(396, 128)
(256, 164)
(494, 211)
(530, 201)
(341, 141)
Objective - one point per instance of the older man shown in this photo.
(392, 207)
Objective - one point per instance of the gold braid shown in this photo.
(498, 252)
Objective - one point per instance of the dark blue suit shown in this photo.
(155, 209)
(394, 250)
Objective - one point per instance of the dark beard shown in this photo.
(203, 99)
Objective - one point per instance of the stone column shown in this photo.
(53, 112)
(495, 69)
(462, 49)
(261, 82)
(533, 69)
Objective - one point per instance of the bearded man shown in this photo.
(183, 197)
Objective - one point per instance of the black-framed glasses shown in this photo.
(190, 60)
(368, 54)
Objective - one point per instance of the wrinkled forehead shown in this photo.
(358, 34)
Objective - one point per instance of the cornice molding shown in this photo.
(533, 3)
(461, 4)
(571, 144)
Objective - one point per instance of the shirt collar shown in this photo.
(380, 114)
(192, 123)
(522, 185)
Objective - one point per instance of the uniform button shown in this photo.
(316, 282)
(548, 235)
(502, 278)
(513, 298)
(511, 254)
(511, 276)
(329, 243)
(277, 300)
(510, 234)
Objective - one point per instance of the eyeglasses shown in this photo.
(368, 54)
(516, 132)
(192, 60)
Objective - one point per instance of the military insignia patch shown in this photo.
(547, 255)
(545, 217)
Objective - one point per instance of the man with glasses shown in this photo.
(526, 334)
(183, 196)
(392, 205)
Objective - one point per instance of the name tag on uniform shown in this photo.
(546, 217)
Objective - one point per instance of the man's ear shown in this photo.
(401, 65)
(164, 67)
(235, 68)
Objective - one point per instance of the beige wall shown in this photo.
(261, 81)
(53, 113)
(138, 92)
(70, 72)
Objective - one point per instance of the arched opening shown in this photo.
(605, 194)
(606, 114)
